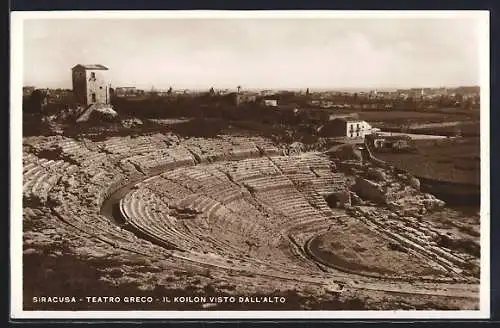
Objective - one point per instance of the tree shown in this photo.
(153, 92)
(37, 100)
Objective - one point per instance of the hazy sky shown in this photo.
(256, 53)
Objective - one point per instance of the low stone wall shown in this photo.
(372, 157)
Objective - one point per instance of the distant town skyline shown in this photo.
(271, 53)
(351, 90)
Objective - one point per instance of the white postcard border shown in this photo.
(17, 19)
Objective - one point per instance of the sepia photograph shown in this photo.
(259, 164)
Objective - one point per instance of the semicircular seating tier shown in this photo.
(232, 203)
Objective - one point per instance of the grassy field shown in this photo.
(395, 120)
(414, 116)
(406, 115)
(469, 129)
(455, 160)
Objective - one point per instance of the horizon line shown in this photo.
(208, 87)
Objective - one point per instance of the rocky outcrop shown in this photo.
(417, 205)
(369, 190)
(376, 174)
(386, 186)
(344, 152)
(356, 200)
(132, 122)
(414, 183)
(344, 199)
(295, 148)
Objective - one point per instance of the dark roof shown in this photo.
(91, 66)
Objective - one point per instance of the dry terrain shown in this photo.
(160, 214)
(454, 160)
